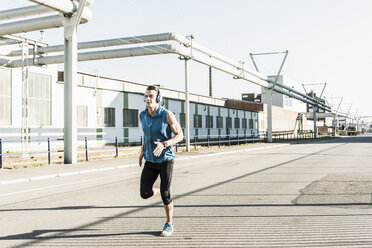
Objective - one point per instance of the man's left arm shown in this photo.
(178, 135)
(176, 129)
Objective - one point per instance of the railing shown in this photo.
(292, 135)
(118, 143)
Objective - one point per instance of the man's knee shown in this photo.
(166, 197)
(146, 194)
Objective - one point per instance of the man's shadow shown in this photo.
(37, 234)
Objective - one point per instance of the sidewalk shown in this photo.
(8, 176)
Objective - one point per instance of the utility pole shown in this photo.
(24, 128)
(315, 107)
(269, 92)
(70, 23)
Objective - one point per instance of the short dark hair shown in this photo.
(153, 87)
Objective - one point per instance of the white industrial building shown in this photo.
(106, 108)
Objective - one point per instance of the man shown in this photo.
(158, 124)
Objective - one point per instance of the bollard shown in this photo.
(48, 150)
(1, 153)
(141, 141)
(219, 141)
(195, 142)
(86, 148)
(117, 147)
(177, 147)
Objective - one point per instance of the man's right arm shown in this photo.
(140, 159)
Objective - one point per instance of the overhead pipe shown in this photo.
(65, 7)
(45, 22)
(102, 43)
(186, 51)
(97, 55)
(6, 42)
(151, 50)
(31, 25)
(23, 12)
(182, 39)
(309, 101)
(161, 49)
(297, 92)
(301, 94)
(152, 38)
(213, 62)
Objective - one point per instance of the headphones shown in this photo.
(159, 97)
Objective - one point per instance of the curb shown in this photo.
(65, 174)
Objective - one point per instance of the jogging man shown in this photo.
(157, 149)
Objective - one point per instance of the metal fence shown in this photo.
(118, 143)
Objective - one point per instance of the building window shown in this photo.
(39, 99)
(5, 96)
(219, 121)
(82, 116)
(237, 123)
(209, 121)
(130, 117)
(182, 120)
(198, 121)
(244, 123)
(250, 123)
(228, 122)
(106, 117)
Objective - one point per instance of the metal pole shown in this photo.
(315, 109)
(254, 62)
(70, 66)
(25, 133)
(269, 116)
(116, 147)
(210, 82)
(48, 150)
(70, 79)
(1, 153)
(86, 149)
(187, 101)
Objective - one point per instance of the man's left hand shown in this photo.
(159, 148)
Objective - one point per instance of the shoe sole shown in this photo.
(166, 234)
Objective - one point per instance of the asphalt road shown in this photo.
(314, 194)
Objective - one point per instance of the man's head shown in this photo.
(152, 96)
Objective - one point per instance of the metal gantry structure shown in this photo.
(73, 13)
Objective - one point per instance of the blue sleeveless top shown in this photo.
(156, 128)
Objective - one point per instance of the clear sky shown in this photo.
(329, 41)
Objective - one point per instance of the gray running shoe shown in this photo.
(167, 230)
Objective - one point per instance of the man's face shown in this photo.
(150, 98)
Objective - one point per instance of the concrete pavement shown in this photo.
(11, 176)
(303, 195)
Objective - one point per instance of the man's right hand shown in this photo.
(140, 159)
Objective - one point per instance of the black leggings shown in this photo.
(149, 175)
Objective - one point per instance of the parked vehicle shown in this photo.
(351, 131)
